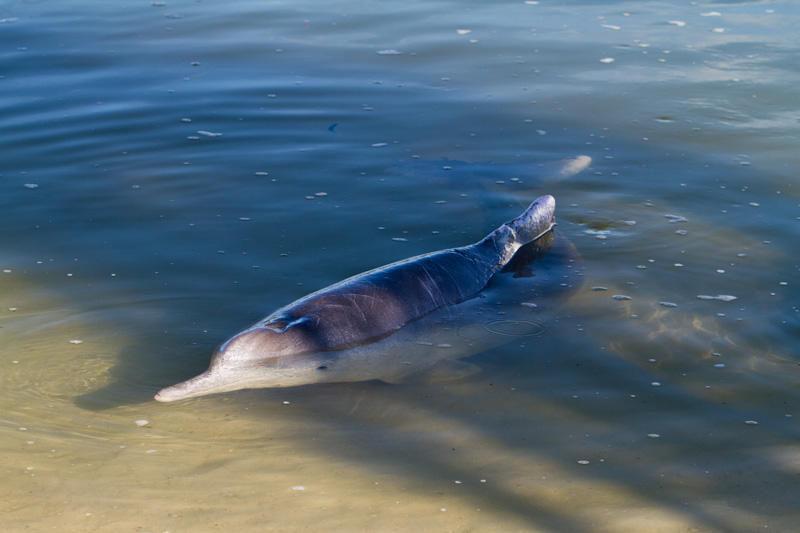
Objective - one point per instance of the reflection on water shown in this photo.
(162, 183)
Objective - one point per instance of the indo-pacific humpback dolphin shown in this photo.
(359, 329)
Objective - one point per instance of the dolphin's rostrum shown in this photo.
(321, 337)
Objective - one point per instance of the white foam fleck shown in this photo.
(720, 297)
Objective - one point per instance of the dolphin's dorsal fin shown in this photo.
(278, 325)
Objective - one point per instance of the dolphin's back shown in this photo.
(377, 303)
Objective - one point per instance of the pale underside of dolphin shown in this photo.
(357, 329)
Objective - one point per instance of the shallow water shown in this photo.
(159, 178)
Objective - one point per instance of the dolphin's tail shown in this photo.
(500, 245)
(537, 220)
(209, 382)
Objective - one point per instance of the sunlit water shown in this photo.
(172, 172)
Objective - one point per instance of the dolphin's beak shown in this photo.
(200, 385)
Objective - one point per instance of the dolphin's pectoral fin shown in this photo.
(394, 380)
(452, 370)
(440, 371)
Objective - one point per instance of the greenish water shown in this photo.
(159, 180)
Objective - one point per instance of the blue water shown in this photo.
(172, 172)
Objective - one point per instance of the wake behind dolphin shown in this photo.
(327, 335)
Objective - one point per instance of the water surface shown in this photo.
(172, 172)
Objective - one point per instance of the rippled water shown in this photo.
(172, 172)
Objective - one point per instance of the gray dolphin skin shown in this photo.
(346, 331)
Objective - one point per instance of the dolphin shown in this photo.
(368, 326)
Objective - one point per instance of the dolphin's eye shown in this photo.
(323, 367)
